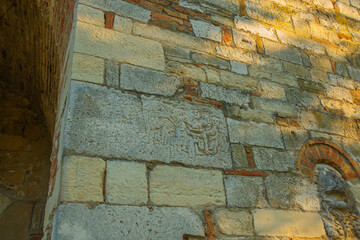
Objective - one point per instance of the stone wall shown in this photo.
(25, 146)
(207, 119)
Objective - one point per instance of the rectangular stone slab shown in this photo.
(77, 221)
(110, 123)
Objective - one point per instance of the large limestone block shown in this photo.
(273, 159)
(126, 183)
(245, 191)
(234, 222)
(117, 46)
(287, 191)
(107, 122)
(254, 134)
(288, 224)
(254, 27)
(148, 81)
(77, 221)
(88, 68)
(90, 15)
(179, 186)
(82, 179)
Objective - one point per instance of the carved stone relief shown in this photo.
(340, 218)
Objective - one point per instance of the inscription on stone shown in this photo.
(114, 124)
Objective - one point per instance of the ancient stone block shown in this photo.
(148, 81)
(233, 80)
(210, 60)
(239, 68)
(288, 224)
(219, 93)
(122, 24)
(186, 70)
(254, 27)
(179, 186)
(121, 47)
(206, 30)
(281, 51)
(272, 90)
(77, 221)
(121, 7)
(245, 191)
(82, 179)
(239, 156)
(176, 52)
(294, 138)
(234, 222)
(88, 68)
(229, 5)
(244, 40)
(254, 134)
(126, 183)
(322, 122)
(112, 73)
(348, 11)
(234, 54)
(327, 4)
(273, 159)
(90, 15)
(287, 191)
(354, 73)
(107, 122)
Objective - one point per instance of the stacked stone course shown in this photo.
(206, 119)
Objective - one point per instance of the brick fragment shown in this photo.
(166, 18)
(176, 14)
(245, 173)
(210, 231)
(333, 66)
(188, 98)
(259, 45)
(190, 82)
(215, 103)
(250, 156)
(151, 6)
(307, 163)
(109, 20)
(226, 36)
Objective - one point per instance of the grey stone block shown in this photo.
(239, 67)
(112, 73)
(107, 122)
(77, 221)
(273, 159)
(245, 191)
(206, 30)
(148, 81)
(227, 95)
(210, 60)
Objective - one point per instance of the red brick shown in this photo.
(349, 175)
(333, 66)
(161, 2)
(310, 155)
(176, 14)
(226, 36)
(151, 6)
(184, 29)
(191, 91)
(163, 25)
(210, 230)
(200, 100)
(321, 151)
(245, 173)
(307, 172)
(109, 20)
(307, 163)
(189, 12)
(215, 103)
(327, 151)
(256, 94)
(242, 8)
(188, 98)
(323, 42)
(250, 156)
(190, 82)
(133, 1)
(166, 18)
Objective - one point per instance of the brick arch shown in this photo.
(316, 151)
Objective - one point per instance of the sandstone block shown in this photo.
(281, 51)
(212, 75)
(273, 159)
(88, 68)
(126, 183)
(234, 222)
(254, 134)
(122, 24)
(210, 60)
(121, 7)
(120, 47)
(148, 81)
(272, 90)
(90, 15)
(112, 73)
(311, 86)
(239, 156)
(245, 191)
(327, 4)
(288, 224)
(77, 221)
(254, 27)
(294, 138)
(219, 93)
(239, 68)
(186, 71)
(206, 30)
(296, 70)
(179, 186)
(229, 5)
(275, 106)
(107, 122)
(82, 179)
(293, 39)
(176, 52)
(244, 40)
(322, 122)
(233, 80)
(286, 191)
(234, 54)
(348, 11)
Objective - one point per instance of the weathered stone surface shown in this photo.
(148, 81)
(190, 5)
(233, 80)
(239, 156)
(296, 70)
(322, 122)
(239, 68)
(354, 73)
(286, 191)
(272, 90)
(121, 7)
(88, 68)
(327, 4)
(186, 70)
(244, 40)
(294, 138)
(4, 202)
(77, 221)
(176, 52)
(234, 54)
(311, 86)
(219, 93)
(281, 51)
(179, 186)
(254, 134)
(348, 11)
(122, 24)
(234, 222)
(126, 183)
(210, 60)
(288, 224)
(90, 15)
(229, 5)
(273, 159)
(15, 222)
(255, 27)
(112, 73)
(121, 47)
(206, 30)
(82, 179)
(245, 191)
(107, 122)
